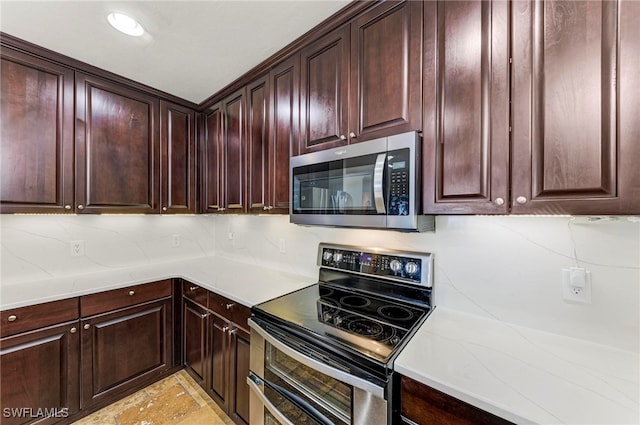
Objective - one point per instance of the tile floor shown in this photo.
(176, 400)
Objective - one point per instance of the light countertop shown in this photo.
(521, 374)
(247, 284)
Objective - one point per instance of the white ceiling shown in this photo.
(191, 49)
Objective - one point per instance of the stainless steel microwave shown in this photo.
(372, 184)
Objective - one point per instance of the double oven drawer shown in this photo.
(300, 386)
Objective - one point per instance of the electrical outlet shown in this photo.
(76, 248)
(576, 285)
(175, 240)
(230, 236)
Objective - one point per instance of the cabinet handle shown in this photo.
(164, 208)
(193, 288)
(499, 202)
(343, 137)
(80, 207)
(86, 326)
(270, 207)
(12, 318)
(203, 315)
(230, 306)
(521, 200)
(225, 329)
(67, 207)
(265, 208)
(132, 293)
(232, 331)
(221, 209)
(353, 135)
(73, 330)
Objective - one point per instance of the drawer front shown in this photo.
(124, 297)
(231, 310)
(194, 293)
(37, 316)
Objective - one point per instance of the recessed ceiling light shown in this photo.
(125, 24)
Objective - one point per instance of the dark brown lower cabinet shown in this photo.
(194, 340)
(420, 404)
(216, 345)
(124, 348)
(39, 375)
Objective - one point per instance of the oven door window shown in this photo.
(337, 187)
(307, 387)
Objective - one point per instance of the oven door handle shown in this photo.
(340, 375)
(253, 381)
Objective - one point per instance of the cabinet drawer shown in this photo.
(424, 405)
(230, 310)
(37, 316)
(124, 297)
(195, 293)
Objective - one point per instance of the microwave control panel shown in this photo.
(398, 177)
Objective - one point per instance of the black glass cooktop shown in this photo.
(370, 324)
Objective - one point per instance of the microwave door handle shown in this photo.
(378, 184)
(254, 384)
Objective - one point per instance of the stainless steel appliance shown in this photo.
(373, 184)
(324, 354)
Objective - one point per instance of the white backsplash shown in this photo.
(506, 268)
(38, 246)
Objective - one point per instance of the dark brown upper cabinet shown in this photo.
(575, 107)
(284, 80)
(258, 145)
(466, 108)
(363, 80)
(36, 135)
(386, 82)
(235, 143)
(324, 92)
(212, 154)
(178, 152)
(117, 148)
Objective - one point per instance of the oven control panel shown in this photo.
(397, 265)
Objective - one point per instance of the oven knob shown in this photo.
(337, 257)
(395, 266)
(411, 267)
(337, 320)
(327, 256)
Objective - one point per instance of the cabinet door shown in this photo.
(466, 108)
(125, 349)
(324, 92)
(258, 145)
(40, 370)
(212, 159)
(194, 340)
(217, 386)
(574, 76)
(285, 88)
(234, 110)
(178, 147)
(117, 148)
(36, 135)
(386, 89)
(239, 367)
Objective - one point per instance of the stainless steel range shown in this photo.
(324, 354)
